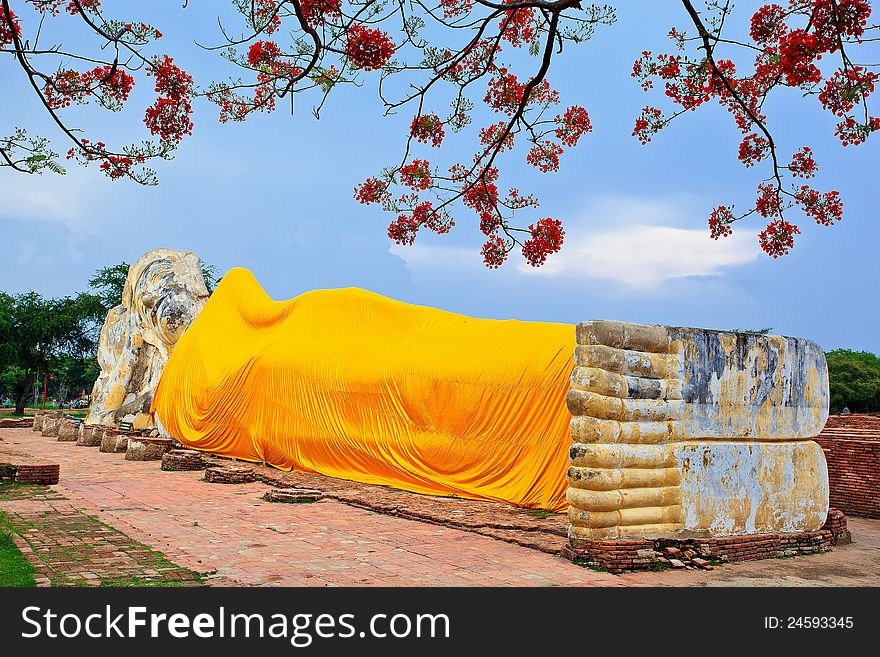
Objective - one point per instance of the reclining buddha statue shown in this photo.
(637, 430)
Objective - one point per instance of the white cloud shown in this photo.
(47, 197)
(647, 256)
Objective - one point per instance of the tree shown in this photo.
(36, 331)
(854, 380)
(109, 282)
(463, 50)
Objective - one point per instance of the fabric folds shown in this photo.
(354, 385)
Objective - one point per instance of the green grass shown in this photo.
(541, 513)
(15, 570)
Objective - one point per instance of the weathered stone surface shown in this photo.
(140, 448)
(163, 294)
(90, 435)
(114, 441)
(68, 431)
(681, 431)
(50, 426)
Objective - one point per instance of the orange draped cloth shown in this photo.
(354, 385)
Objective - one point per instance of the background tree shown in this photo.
(854, 381)
(38, 331)
(437, 61)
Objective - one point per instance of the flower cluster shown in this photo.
(753, 149)
(316, 11)
(777, 239)
(825, 208)
(545, 156)
(427, 129)
(768, 25)
(572, 125)
(519, 26)
(494, 252)
(649, 123)
(719, 222)
(262, 53)
(546, 238)
(416, 175)
(491, 137)
(769, 202)
(453, 8)
(845, 88)
(506, 93)
(368, 49)
(8, 31)
(110, 87)
(852, 132)
(169, 116)
(372, 190)
(802, 163)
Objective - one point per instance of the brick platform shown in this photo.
(620, 556)
(44, 475)
(15, 423)
(230, 474)
(183, 459)
(293, 495)
(852, 448)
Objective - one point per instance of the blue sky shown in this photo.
(275, 195)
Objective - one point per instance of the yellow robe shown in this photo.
(354, 385)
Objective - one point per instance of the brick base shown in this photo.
(183, 459)
(619, 556)
(230, 474)
(16, 423)
(45, 475)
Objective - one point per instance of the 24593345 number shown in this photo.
(809, 622)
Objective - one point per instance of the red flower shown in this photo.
(768, 24)
(778, 238)
(372, 190)
(547, 237)
(494, 252)
(753, 149)
(572, 125)
(545, 157)
(262, 52)
(427, 128)
(416, 175)
(825, 209)
(719, 222)
(368, 49)
(802, 163)
(7, 32)
(169, 116)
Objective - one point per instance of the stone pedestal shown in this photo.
(68, 431)
(142, 448)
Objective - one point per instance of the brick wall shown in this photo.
(852, 448)
(618, 556)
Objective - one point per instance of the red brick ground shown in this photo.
(247, 541)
